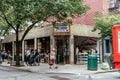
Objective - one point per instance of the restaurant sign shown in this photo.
(61, 29)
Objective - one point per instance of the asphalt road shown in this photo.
(7, 73)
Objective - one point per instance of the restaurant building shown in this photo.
(63, 38)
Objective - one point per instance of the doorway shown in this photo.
(8, 47)
(62, 46)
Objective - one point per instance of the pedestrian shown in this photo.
(0, 57)
(46, 57)
(28, 53)
(76, 53)
(3, 55)
(52, 61)
(36, 57)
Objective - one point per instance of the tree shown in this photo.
(105, 23)
(17, 13)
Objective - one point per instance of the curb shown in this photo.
(26, 70)
(113, 70)
(16, 68)
(36, 71)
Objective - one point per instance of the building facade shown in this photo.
(101, 6)
(64, 38)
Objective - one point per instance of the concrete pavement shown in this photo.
(68, 68)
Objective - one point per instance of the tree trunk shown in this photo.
(19, 43)
(17, 48)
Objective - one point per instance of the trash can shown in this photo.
(92, 62)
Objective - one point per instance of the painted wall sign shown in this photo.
(61, 29)
(118, 41)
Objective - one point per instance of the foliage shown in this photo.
(15, 14)
(18, 12)
(105, 23)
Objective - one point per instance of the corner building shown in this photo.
(64, 38)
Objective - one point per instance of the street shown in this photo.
(7, 73)
(106, 76)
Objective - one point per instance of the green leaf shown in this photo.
(105, 23)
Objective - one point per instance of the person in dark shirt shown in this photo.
(36, 57)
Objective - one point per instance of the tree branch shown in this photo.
(2, 17)
(5, 18)
(7, 28)
(28, 29)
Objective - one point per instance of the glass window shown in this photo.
(108, 46)
(112, 3)
(118, 4)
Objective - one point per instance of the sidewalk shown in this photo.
(68, 68)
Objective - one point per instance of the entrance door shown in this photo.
(62, 49)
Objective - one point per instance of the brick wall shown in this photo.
(96, 6)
